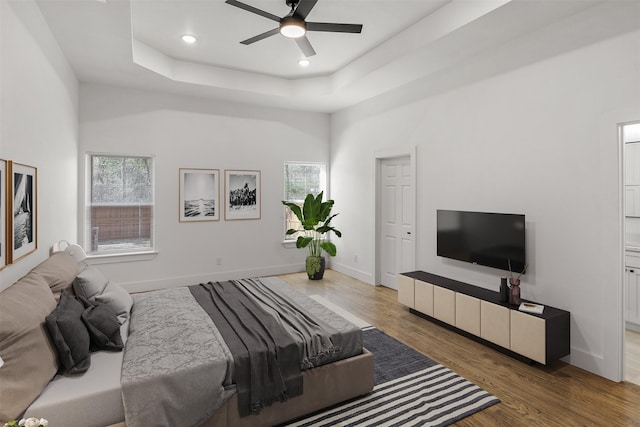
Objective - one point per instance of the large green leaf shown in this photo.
(325, 210)
(329, 247)
(294, 208)
(310, 211)
(303, 241)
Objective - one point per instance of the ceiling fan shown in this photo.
(294, 26)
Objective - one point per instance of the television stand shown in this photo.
(477, 313)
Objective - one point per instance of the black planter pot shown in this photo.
(315, 267)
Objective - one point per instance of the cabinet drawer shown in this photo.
(495, 324)
(528, 336)
(424, 297)
(444, 305)
(406, 291)
(468, 313)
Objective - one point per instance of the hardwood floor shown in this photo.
(556, 395)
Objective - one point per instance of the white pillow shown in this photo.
(92, 285)
(90, 282)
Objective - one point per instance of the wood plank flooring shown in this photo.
(555, 395)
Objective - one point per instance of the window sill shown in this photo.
(120, 257)
(289, 244)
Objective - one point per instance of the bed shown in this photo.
(177, 366)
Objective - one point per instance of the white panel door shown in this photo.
(396, 220)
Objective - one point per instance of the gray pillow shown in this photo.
(69, 335)
(118, 299)
(103, 326)
(93, 286)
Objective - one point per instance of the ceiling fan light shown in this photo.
(292, 27)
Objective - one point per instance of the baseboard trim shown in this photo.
(353, 272)
(179, 281)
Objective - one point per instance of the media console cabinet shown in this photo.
(478, 314)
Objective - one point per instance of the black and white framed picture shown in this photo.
(23, 208)
(242, 194)
(199, 195)
(3, 213)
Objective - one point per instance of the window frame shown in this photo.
(131, 254)
(289, 240)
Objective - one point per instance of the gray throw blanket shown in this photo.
(266, 358)
(318, 342)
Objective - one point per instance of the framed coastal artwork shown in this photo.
(242, 194)
(3, 213)
(199, 195)
(22, 221)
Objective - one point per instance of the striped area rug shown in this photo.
(410, 390)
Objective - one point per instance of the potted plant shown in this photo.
(315, 217)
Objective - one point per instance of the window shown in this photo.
(301, 179)
(120, 204)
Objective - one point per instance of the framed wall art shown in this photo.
(242, 194)
(3, 213)
(22, 211)
(199, 195)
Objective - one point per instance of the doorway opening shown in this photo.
(630, 139)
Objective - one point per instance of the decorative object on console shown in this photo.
(504, 290)
(514, 282)
(529, 307)
(242, 193)
(315, 218)
(514, 294)
(199, 195)
(22, 218)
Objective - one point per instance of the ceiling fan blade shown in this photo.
(305, 46)
(334, 28)
(304, 7)
(261, 36)
(253, 10)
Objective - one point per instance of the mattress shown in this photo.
(93, 399)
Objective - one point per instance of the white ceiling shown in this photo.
(136, 43)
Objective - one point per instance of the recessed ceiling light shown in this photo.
(188, 38)
(304, 62)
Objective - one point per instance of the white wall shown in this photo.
(38, 123)
(187, 132)
(540, 140)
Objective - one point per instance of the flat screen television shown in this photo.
(483, 238)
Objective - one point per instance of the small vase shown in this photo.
(504, 290)
(514, 295)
